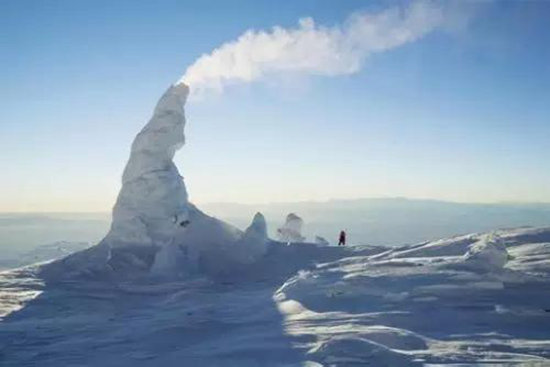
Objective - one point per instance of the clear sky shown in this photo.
(461, 114)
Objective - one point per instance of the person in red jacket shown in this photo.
(342, 239)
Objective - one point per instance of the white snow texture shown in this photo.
(447, 302)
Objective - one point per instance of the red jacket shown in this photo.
(342, 236)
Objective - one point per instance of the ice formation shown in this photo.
(488, 253)
(255, 238)
(291, 231)
(155, 230)
(152, 205)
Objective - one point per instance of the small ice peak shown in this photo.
(253, 243)
(291, 231)
(258, 226)
(256, 233)
(487, 253)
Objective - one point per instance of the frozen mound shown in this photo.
(489, 253)
(474, 299)
(229, 258)
(155, 231)
(205, 242)
(459, 246)
(291, 231)
(210, 246)
(455, 246)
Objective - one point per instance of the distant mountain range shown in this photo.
(379, 221)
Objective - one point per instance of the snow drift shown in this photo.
(426, 304)
(489, 253)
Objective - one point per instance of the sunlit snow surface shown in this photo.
(458, 301)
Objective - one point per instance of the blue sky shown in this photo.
(461, 114)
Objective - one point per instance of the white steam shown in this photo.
(311, 48)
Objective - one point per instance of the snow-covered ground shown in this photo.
(480, 298)
(172, 286)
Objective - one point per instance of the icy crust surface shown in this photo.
(479, 298)
(301, 305)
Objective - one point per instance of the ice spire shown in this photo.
(152, 204)
(155, 230)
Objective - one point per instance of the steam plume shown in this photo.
(310, 48)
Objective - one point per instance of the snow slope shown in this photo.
(474, 299)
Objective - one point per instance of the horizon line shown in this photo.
(326, 201)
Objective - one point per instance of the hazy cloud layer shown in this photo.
(312, 49)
